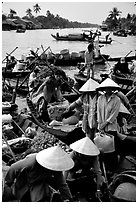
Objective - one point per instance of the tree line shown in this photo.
(115, 22)
(50, 21)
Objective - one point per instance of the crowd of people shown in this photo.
(46, 176)
(52, 169)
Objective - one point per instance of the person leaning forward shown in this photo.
(88, 102)
(35, 177)
(85, 156)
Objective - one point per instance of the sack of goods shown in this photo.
(104, 142)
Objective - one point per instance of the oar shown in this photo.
(128, 53)
(9, 54)
(18, 126)
(32, 69)
(105, 59)
(14, 91)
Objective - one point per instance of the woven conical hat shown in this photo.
(85, 146)
(108, 83)
(90, 85)
(55, 158)
(6, 118)
(123, 109)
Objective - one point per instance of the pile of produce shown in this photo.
(41, 141)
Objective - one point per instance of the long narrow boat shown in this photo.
(105, 41)
(70, 38)
(74, 60)
(10, 75)
(82, 78)
(66, 133)
(128, 58)
(19, 30)
(79, 37)
(125, 83)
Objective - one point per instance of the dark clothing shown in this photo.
(35, 181)
(122, 68)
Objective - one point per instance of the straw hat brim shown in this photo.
(108, 83)
(123, 109)
(85, 146)
(55, 158)
(89, 86)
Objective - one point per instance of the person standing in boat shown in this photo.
(108, 106)
(88, 102)
(38, 176)
(11, 63)
(89, 60)
(107, 37)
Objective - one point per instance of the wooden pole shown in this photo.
(9, 54)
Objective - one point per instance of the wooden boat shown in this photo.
(72, 59)
(19, 30)
(70, 37)
(81, 79)
(120, 33)
(125, 83)
(66, 133)
(12, 75)
(105, 42)
(128, 58)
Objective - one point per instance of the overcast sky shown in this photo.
(81, 11)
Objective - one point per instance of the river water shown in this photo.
(37, 38)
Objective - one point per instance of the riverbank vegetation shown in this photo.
(32, 20)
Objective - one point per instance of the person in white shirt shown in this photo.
(89, 60)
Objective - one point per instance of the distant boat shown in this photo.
(120, 33)
(20, 30)
(70, 37)
(105, 41)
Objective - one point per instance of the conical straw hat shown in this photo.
(85, 146)
(6, 118)
(55, 158)
(90, 85)
(123, 109)
(108, 83)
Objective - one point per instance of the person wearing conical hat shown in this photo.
(122, 119)
(87, 101)
(33, 178)
(85, 156)
(108, 106)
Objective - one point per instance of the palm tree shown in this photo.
(36, 8)
(114, 16)
(29, 12)
(12, 13)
